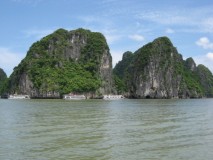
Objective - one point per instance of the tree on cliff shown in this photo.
(157, 70)
(3, 79)
(63, 62)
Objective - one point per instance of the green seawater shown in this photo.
(106, 130)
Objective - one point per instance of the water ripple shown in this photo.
(106, 130)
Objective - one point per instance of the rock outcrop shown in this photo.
(206, 80)
(79, 61)
(157, 70)
(66, 61)
(3, 75)
(3, 78)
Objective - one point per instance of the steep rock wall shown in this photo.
(157, 70)
(77, 61)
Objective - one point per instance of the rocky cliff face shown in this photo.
(157, 70)
(206, 80)
(3, 75)
(63, 62)
(158, 78)
(3, 78)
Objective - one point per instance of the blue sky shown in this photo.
(126, 24)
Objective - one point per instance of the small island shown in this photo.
(79, 61)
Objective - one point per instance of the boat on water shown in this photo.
(4, 96)
(74, 97)
(113, 97)
(18, 96)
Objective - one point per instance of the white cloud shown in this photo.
(210, 56)
(205, 43)
(117, 56)
(207, 24)
(197, 19)
(206, 60)
(88, 19)
(170, 31)
(9, 59)
(136, 37)
(166, 18)
(38, 34)
(112, 38)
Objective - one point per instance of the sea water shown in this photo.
(106, 130)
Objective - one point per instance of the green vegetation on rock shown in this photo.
(157, 70)
(120, 72)
(206, 80)
(79, 61)
(3, 81)
(62, 62)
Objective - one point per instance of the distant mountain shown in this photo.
(76, 61)
(157, 70)
(79, 61)
(3, 78)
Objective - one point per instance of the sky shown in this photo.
(126, 24)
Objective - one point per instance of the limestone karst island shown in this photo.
(79, 62)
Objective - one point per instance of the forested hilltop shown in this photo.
(157, 70)
(80, 62)
(3, 81)
(75, 61)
